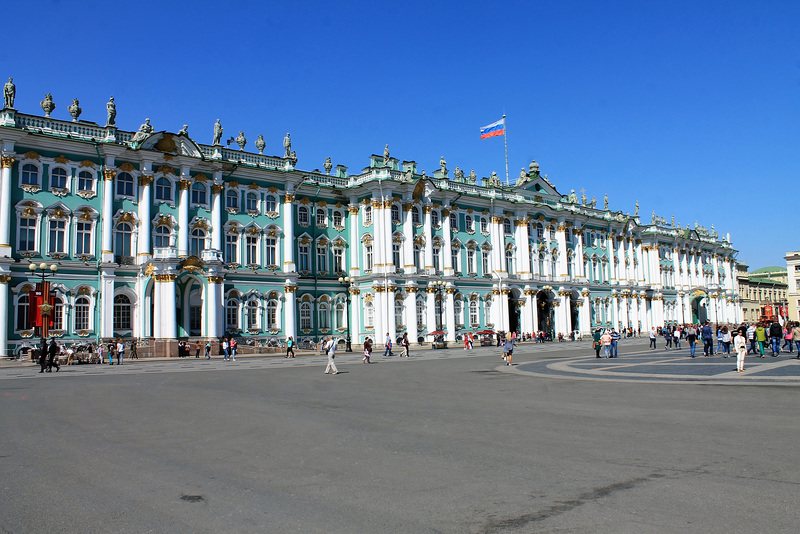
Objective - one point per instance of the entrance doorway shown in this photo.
(546, 315)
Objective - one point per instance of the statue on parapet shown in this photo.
(9, 93)
(145, 130)
(48, 105)
(75, 110)
(605, 202)
(385, 155)
(472, 177)
(572, 198)
(217, 134)
(184, 130)
(287, 146)
(593, 203)
(443, 166)
(458, 175)
(583, 197)
(111, 108)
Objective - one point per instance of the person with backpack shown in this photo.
(290, 347)
(330, 350)
(388, 350)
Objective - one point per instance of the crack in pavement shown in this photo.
(566, 506)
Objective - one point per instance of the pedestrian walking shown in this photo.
(796, 337)
(197, 348)
(508, 349)
(708, 341)
(134, 351)
(676, 337)
(761, 338)
(614, 342)
(404, 343)
(605, 339)
(775, 334)
(52, 353)
(653, 338)
(226, 349)
(691, 338)
(234, 349)
(208, 350)
(388, 350)
(726, 342)
(43, 356)
(740, 346)
(751, 336)
(330, 350)
(100, 350)
(120, 350)
(367, 351)
(597, 345)
(290, 347)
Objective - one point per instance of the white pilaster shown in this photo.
(5, 278)
(289, 309)
(107, 250)
(408, 243)
(428, 229)
(145, 204)
(446, 255)
(217, 188)
(183, 214)
(412, 328)
(522, 241)
(450, 314)
(5, 213)
(107, 302)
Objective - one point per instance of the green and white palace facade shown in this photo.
(159, 237)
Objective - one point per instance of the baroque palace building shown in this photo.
(161, 238)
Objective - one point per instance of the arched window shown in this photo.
(368, 257)
(539, 231)
(553, 264)
(232, 199)
(324, 316)
(122, 312)
(395, 213)
(396, 255)
(367, 215)
(199, 193)
(415, 215)
(455, 256)
(58, 177)
(251, 310)
(162, 236)
(435, 218)
(124, 184)
(232, 315)
(468, 223)
(369, 314)
(337, 219)
(472, 266)
(398, 312)
(484, 225)
(485, 261)
(507, 226)
(124, 235)
(567, 235)
(473, 313)
(302, 215)
(163, 189)
(197, 242)
(271, 204)
(437, 307)
(420, 312)
(418, 256)
(552, 233)
(454, 222)
(305, 316)
(272, 314)
(251, 202)
(85, 181)
(341, 316)
(437, 254)
(82, 313)
(541, 264)
(510, 261)
(30, 174)
(23, 309)
(458, 311)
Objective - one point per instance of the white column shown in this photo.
(412, 328)
(107, 216)
(715, 268)
(526, 319)
(428, 229)
(390, 319)
(522, 241)
(378, 259)
(446, 252)
(624, 312)
(562, 251)
(216, 214)
(5, 214)
(585, 314)
(623, 268)
(503, 305)
(290, 310)
(578, 232)
(157, 307)
(562, 308)
(612, 271)
(615, 311)
(5, 278)
(430, 310)
(408, 243)
(183, 214)
(145, 203)
(535, 310)
(355, 316)
(107, 303)
(214, 307)
(289, 237)
(450, 314)
(642, 274)
(497, 238)
(169, 323)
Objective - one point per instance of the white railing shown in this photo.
(65, 128)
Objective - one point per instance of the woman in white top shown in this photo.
(740, 346)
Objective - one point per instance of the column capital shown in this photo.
(288, 198)
(184, 184)
(5, 278)
(216, 279)
(8, 161)
(109, 174)
(146, 179)
(217, 188)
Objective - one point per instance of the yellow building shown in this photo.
(793, 283)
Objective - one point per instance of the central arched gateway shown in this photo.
(545, 313)
(699, 306)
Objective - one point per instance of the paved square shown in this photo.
(445, 441)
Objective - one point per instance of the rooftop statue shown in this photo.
(458, 175)
(241, 140)
(48, 105)
(144, 132)
(605, 202)
(443, 166)
(287, 146)
(636, 213)
(217, 133)
(261, 144)
(111, 107)
(75, 110)
(328, 165)
(385, 155)
(409, 176)
(9, 93)
(653, 217)
(572, 198)
(472, 177)
(583, 197)
(184, 130)
(593, 204)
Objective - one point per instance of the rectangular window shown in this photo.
(303, 258)
(83, 238)
(251, 249)
(232, 248)
(454, 259)
(57, 232)
(485, 261)
(322, 259)
(27, 234)
(472, 267)
(338, 260)
(272, 251)
(368, 258)
(396, 255)
(322, 218)
(436, 256)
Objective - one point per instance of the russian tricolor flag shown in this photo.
(496, 128)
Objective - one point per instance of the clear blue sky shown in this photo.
(691, 107)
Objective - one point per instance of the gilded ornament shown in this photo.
(5, 278)
(216, 189)
(184, 185)
(288, 198)
(8, 161)
(145, 180)
(109, 174)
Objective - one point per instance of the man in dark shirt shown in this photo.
(708, 339)
(775, 334)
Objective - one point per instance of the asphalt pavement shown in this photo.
(445, 441)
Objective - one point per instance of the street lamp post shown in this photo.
(346, 280)
(45, 308)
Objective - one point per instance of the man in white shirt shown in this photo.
(330, 350)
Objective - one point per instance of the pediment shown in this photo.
(171, 143)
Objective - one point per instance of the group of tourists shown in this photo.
(607, 340)
(51, 354)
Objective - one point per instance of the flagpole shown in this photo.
(505, 143)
